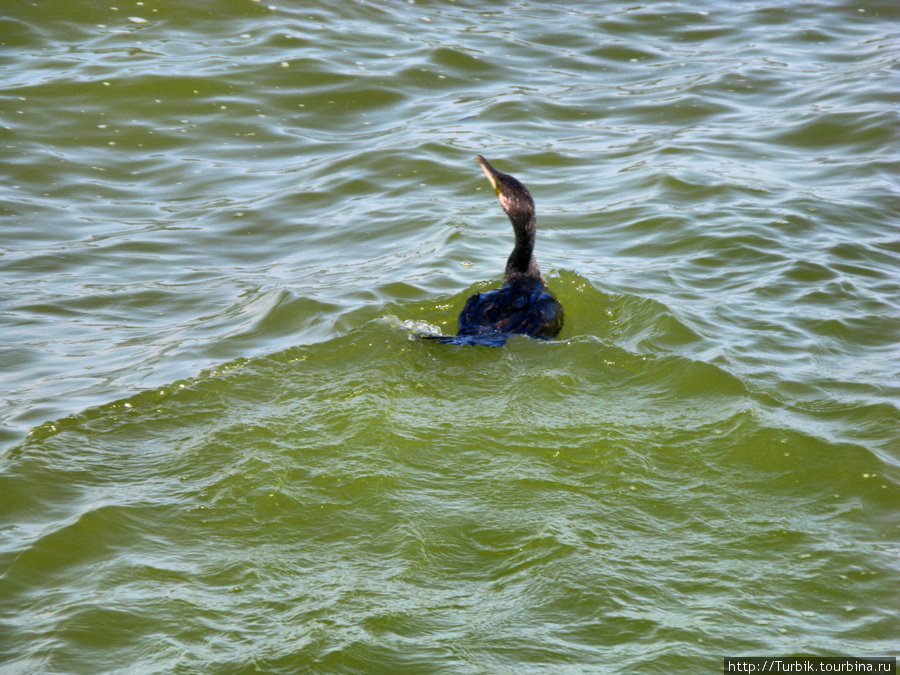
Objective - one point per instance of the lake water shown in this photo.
(222, 449)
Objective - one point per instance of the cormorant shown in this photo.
(522, 304)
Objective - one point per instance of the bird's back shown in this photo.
(519, 306)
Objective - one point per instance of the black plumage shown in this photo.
(522, 304)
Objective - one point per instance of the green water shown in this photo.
(222, 449)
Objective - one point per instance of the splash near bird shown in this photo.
(522, 304)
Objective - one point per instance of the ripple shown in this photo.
(219, 226)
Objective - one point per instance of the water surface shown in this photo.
(223, 223)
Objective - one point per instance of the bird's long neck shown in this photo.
(521, 262)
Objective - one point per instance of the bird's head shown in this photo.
(514, 197)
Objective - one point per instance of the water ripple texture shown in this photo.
(222, 448)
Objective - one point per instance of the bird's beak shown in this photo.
(490, 172)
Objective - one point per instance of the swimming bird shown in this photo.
(522, 304)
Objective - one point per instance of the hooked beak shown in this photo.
(490, 172)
